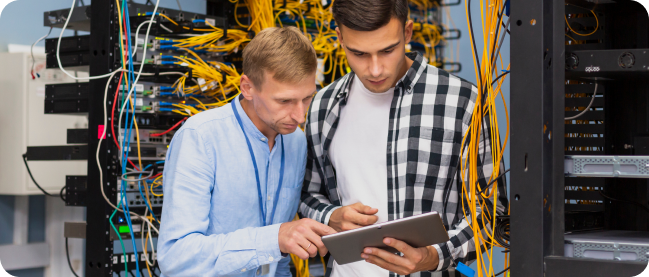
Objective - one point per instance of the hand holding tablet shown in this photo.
(414, 232)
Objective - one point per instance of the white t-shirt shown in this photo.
(358, 153)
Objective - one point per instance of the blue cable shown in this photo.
(139, 186)
(168, 63)
(198, 20)
(167, 88)
(132, 80)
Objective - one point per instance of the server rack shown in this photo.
(543, 74)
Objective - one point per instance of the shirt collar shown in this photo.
(419, 63)
(251, 129)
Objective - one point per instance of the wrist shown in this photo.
(431, 261)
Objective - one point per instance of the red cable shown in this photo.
(155, 176)
(170, 129)
(112, 119)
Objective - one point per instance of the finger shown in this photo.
(314, 243)
(321, 229)
(359, 207)
(350, 226)
(316, 240)
(387, 256)
(384, 264)
(369, 210)
(297, 250)
(363, 220)
(400, 246)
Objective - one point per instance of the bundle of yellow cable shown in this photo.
(429, 35)
(220, 81)
(485, 110)
(261, 12)
(210, 41)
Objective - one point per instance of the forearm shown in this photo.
(316, 207)
(195, 254)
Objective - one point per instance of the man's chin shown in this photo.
(286, 130)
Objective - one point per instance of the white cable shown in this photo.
(587, 108)
(166, 29)
(58, 47)
(137, 35)
(32, 48)
(121, 113)
(146, 255)
(101, 137)
(146, 38)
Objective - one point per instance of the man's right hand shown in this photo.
(353, 216)
(302, 238)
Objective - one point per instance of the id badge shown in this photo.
(263, 270)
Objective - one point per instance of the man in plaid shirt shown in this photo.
(384, 143)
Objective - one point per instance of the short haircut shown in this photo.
(283, 52)
(369, 15)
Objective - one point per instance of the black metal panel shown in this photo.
(583, 220)
(57, 153)
(68, 44)
(67, 91)
(99, 247)
(75, 190)
(66, 106)
(573, 267)
(68, 59)
(619, 63)
(537, 88)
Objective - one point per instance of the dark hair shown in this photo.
(369, 15)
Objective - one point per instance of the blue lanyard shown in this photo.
(254, 163)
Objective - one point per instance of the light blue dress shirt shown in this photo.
(211, 220)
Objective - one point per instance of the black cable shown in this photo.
(131, 273)
(493, 181)
(624, 201)
(499, 76)
(61, 194)
(504, 270)
(501, 232)
(67, 253)
(30, 175)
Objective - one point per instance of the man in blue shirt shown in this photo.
(233, 175)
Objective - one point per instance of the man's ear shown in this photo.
(407, 31)
(340, 37)
(247, 87)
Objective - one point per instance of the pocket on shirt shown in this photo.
(289, 199)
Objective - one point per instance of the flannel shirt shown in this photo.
(429, 115)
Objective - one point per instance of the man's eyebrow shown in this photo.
(384, 49)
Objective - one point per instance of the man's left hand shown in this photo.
(413, 259)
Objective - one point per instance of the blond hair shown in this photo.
(285, 53)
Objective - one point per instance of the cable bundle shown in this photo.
(481, 202)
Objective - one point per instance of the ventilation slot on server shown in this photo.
(584, 134)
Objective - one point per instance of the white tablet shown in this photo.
(418, 231)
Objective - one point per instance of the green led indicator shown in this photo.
(124, 229)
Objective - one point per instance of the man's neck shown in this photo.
(403, 70)
(260, 124)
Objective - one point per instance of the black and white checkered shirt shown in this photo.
(430, 113)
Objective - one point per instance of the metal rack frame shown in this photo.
(537, 160)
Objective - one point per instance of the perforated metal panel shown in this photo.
(607, 166)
